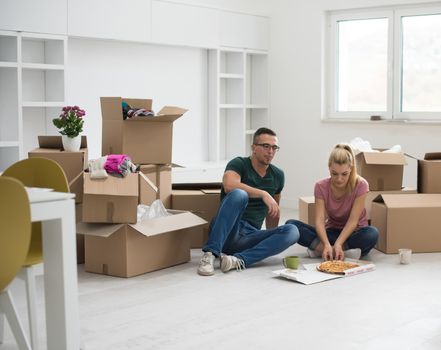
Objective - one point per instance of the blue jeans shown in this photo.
(231, 235)
(364, 238)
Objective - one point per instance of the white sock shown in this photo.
(353, 253)
(312, 253)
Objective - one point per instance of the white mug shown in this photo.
(405, 256)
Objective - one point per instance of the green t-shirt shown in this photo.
(272, 182)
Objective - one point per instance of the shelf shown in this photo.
(230, 106)
(9, 144)
(257, 106)
(42, 104)
(8, 65)
(231, 76)
(43, 66)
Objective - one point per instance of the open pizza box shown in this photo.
(309, 274)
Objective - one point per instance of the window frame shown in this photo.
(394, 62)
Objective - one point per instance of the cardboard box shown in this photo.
(307, 204)
(80, 237)
(202, 202)
(130, 250)
(111, 200)
(147, 140)
(429, 173)
(374, 194)
(383, 171)
(307, 210)
(73, 163)
(407, 221)
(160, 176)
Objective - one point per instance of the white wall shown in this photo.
(296, 72)
(168, 75)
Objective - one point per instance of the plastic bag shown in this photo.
(155, 210)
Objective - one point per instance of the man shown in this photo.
(251, 188)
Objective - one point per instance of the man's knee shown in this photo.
(290, 234)
(237, 195)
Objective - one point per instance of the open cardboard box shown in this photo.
(114, 199)
(130, 250)
(147, 140)
(73, 163)
(407, 221)
(160, 176)
(201, 201)
(382, 170)
(307, 204)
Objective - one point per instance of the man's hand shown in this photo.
(273, 207)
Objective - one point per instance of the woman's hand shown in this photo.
(338, 252)
(327, 252)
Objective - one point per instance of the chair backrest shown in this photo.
(15, 228)
(38, 172)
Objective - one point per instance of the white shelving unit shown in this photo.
(238, 100)
(32, 90)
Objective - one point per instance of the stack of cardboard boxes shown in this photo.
(405, 218)
(115, 244)
(412, 220)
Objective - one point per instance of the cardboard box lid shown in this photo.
(115, 186)
(178, 221)
(55, 142)
(433, 156)
(383, 158)
(418, 200)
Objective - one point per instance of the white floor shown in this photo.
(394, 307)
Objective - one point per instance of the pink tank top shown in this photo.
(338, 210)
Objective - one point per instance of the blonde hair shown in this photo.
(344, 154)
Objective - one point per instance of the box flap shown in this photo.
(55, 142)
(115, 186)
(381, 158)
(148, 182)
(171, 110)
(432, 156)
(209, 191)
(179, 220)
(100, 230)
(419, 200)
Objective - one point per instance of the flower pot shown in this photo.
(71, 144)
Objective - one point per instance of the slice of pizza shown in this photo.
(336, 266)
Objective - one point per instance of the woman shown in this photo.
(340, 216)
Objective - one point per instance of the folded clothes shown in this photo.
(119, 165)
(129, 112)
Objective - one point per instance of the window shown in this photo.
(385, 62)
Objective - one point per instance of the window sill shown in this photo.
(382, 122)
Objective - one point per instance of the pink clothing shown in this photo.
(338, 210)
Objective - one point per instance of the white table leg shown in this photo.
(60, 278)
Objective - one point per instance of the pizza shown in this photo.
(336, 266)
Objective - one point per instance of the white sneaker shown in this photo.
(206, 265)
(229, 262)
(353, 253)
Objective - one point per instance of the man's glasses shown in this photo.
(267, 146)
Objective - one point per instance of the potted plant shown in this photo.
(70, 123)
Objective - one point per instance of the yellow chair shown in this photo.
(15, 237)
(46, 173)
